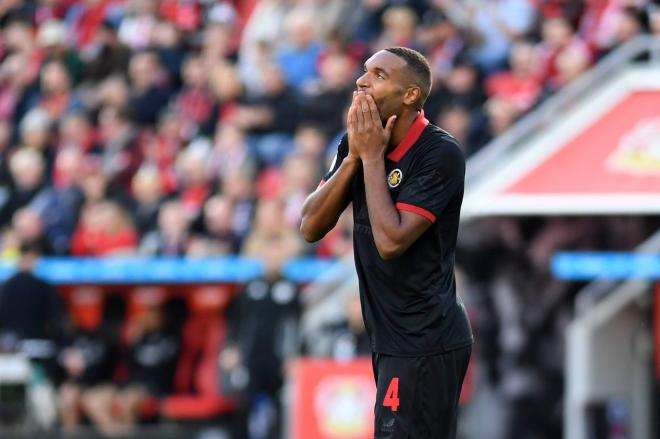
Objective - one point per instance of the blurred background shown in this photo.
(154, 158)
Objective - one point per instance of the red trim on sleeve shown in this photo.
(418, 210)
(413, 134)
(321, 183)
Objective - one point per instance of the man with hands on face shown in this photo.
(405, 179)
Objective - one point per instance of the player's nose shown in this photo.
(362, 82)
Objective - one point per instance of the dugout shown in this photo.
(203, 286)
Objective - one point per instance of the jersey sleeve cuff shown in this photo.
(322, 182)
(418, 210)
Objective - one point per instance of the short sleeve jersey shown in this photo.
(409, 304)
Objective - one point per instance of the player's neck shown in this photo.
(401, 127)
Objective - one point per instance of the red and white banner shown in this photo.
(333, 400)
(601, 157)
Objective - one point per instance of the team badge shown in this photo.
(394, 178)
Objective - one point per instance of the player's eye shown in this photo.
(381, 76)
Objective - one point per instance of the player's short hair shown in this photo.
(418, 66)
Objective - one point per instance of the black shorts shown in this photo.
(417, 397)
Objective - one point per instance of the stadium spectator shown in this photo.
(29, 307)
(26, 226)
(5, 142)
(457, 120)
(88, 354)
(153, 342)
(219, 236)
(136, 27)
(571, 63)
(105, 229)
(172, 237)
(239, 186)
(298, 58)
(15, 79)
(52, 41)
(148, 194)
(311, 142)
(653, 11)
(230, 151)
(228, 91)
(522, 83)
(167, 41)
(399, 23)
(270, 230)
(27, 169)
(632, 22)
(347, 338)
(557, 35)
(271, 118)
(262, 338)
(107, 55)
(59, 204)
(148, 95)
(339, 241)
(495, 25)
(326, 99)
(118, 151)
(194, 102)
(463, 86)
(56, 95)
(298, 178)
(75, 131)
(112, 92)
(443, 42)
(194, 183)
(219, 40)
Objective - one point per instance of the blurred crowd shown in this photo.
(198, 127)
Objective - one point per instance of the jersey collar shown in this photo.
(411, 137)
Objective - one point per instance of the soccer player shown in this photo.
(405, 179)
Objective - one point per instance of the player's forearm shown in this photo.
(323, 207)
(384, 217)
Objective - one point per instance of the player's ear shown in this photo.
(412, 96)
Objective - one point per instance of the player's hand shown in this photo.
(366, 133)
(352, 153)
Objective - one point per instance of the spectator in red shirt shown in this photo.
(194, 102)
(105, 229)
(557, 34)
(520, 84)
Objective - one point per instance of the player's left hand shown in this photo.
(365, 129)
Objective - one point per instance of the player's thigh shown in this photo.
(438, 398)
(397, 386)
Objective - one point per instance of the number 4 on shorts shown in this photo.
(392, 395)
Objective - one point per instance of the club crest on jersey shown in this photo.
(394, 178)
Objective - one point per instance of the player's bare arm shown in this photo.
(393, 230)
(324, 206)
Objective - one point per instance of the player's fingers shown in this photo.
(364, 103)
(359, 113)
(351, 118)
(364, 107)
(389, 126)
(373, 111)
